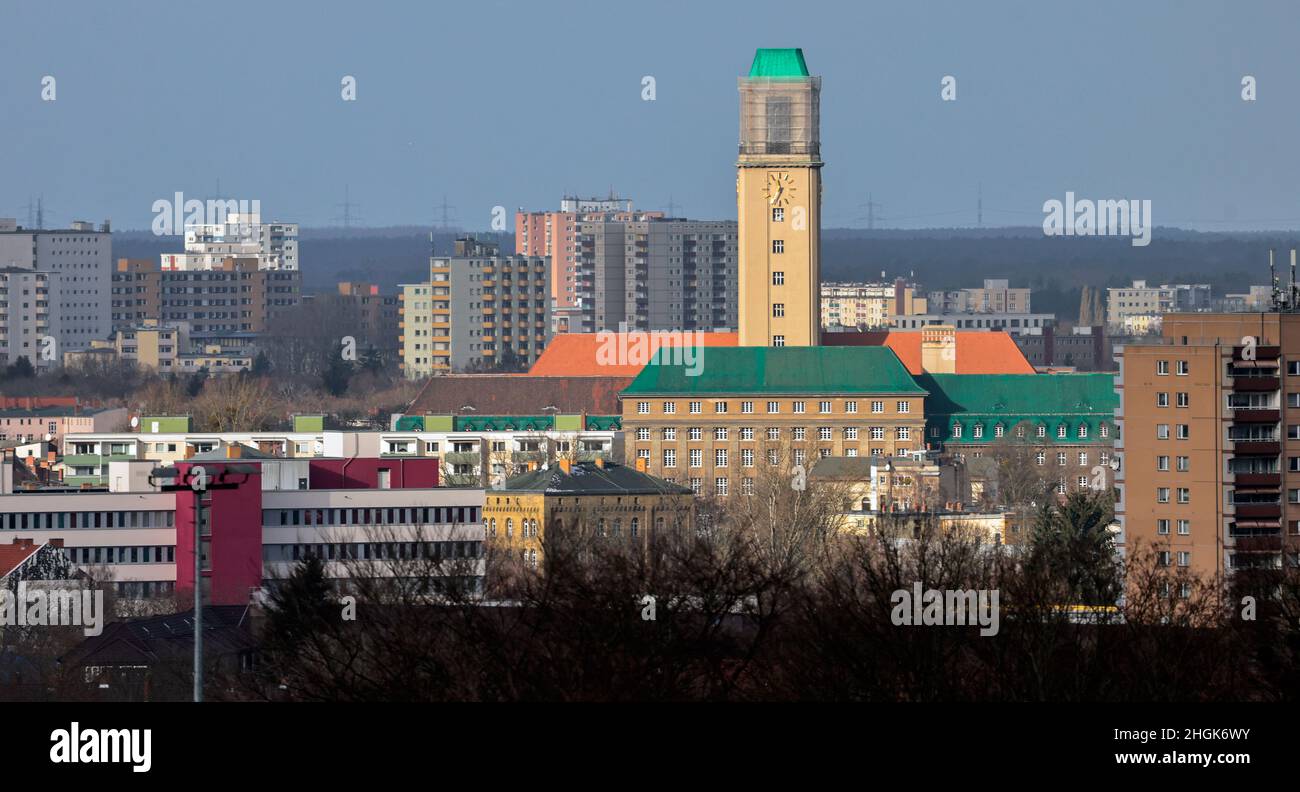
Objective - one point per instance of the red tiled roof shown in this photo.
(519, 394)
(13, 555)
(978, 351)
(581, 354)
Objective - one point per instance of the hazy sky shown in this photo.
(514, 104)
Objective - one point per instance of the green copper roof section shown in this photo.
(990, 400)
(810, 371)
(503, 423)
(778, 63)
(409, 423)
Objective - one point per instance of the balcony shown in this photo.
(1255, 384)
(1259, 511)
(1259, 447)
(1261, 353)
(1258, 479)
(1256, 415)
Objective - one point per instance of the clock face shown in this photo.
(779, 190)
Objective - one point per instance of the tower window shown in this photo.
(778, 245)
(778, 278)
(778, 340)
(778, 310)
(778, 215)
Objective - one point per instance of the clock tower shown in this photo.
(778, 194)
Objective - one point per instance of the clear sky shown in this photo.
(516, 103)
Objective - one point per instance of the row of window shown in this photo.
(773, 407)
(1062, 458)
(38, 521)
(148, 554)
(999, 430)
(372, 551)
(527, 528)
(721, 457)
(372, 516)
(798, 433)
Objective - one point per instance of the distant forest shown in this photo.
(1055, 268)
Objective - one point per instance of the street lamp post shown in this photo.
(199, 482)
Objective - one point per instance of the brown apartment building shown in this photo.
(1209, 441)
(234, 296)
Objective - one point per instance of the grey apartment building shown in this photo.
(500, 306)
(78, 263)
(657, 274)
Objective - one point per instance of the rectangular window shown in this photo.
(778, 278)
(778, 310)
(778, 245)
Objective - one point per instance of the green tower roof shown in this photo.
(778, 63)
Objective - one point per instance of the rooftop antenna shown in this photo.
(1272, 280)
(1291, 296)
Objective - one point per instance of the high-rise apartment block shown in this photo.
(207, 246)
(478, 308)
(657, 274)
(778, 194)
(77, 262)
(1209, 441)
(28, 316)
(236, 295)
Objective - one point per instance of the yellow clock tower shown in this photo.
(778, 194)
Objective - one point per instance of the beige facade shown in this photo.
(718, 445)
(778, 195)
(1210, 441)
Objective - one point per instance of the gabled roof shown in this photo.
(610, 354)
(515, 394)
(589, 478)
(812, 371)
(226, 630)
(978, 351)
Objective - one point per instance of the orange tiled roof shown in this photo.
(580, 354)
(978, 351)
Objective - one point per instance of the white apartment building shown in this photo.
(274, 245)
(78, 263)
(28, 316)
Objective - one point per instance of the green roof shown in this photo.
(503, 423)
(987, 400)
(778, 63)
(813, 371)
